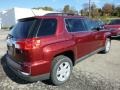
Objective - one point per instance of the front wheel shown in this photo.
(61, 69)
(107, 46)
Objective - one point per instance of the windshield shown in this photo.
(22, 28)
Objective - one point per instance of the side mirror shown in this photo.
(96, 29)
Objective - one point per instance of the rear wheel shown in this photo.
(61, 69)
(107, 46)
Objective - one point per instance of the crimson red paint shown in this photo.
(35, 53)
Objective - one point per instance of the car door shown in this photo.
(81, 36)
(97, 34)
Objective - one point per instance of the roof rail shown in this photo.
(61, 14)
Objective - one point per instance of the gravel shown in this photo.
(98, 72)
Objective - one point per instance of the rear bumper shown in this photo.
(16, 68)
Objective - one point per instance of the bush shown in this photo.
(6, 28)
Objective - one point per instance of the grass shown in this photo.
(106, 19)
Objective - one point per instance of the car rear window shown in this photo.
(22, 28)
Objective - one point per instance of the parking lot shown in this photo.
(98, 72)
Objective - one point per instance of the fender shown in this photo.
(56, 48)
(107, 34)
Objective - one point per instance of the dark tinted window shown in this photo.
(22, 28)
(101, 23)
(115, 21)
(96, 24)
(89, 24)
(47, 27)
(75, 25)
(93, 24)
(34, 30)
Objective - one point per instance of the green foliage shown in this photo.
(47, 8)
(85, 10)
(68, 9)
(106, 11)
(117, 11)
(94, 11)
(5, 28)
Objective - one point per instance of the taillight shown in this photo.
(20, 45)
(28, 44)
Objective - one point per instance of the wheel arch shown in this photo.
(69, 54)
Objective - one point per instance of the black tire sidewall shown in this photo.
(56, 62)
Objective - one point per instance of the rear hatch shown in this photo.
(25, 36)
(19, 33)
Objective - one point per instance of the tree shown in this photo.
(85, 10)
(94, 11)
(107, 9)
(100, 12)
(68, 9)
(47, 8)
(117, 11)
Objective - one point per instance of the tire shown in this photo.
(61, 70)
(107, 46)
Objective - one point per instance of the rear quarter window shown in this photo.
(47, 27)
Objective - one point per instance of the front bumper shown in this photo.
(16, 68)
(115, 33)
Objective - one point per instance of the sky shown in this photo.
(56, 4)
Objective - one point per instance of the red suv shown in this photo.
(47, 47)
(114, 27)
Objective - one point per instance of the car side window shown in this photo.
(89, 24)
(47, 27)
(75, 25)
(34, 29)
(92, 24)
